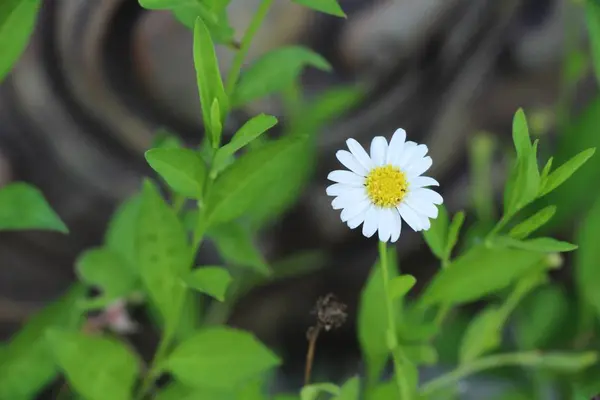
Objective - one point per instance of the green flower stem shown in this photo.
(528, 358)
(403, 385)
(238, 60)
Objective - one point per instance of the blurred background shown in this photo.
(99, 78)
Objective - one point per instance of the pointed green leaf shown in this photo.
(182, 169)
(208, 75)
(236, 245)
(479, 272)
(159, 4)
(372, 324)
(482, 335)
(330, 7)
(107, 270)
(220, 358)
(436, 237)
(27, 364)
(533, 223)
(164, 139)
(244, 183)
(120, 235)
(97, 367)
(23, 206)
(178, 391)
(587, 273)
(312, 392)
(274, 72)
(453, 231)
(400, 285)
(592, 18)
(546, 171)
(17, 22)
(562, 173)
(543, 245)
(520, 132)
(213, 281)
(215, 120)
(350, 390)
(163, 254)
(247, 133)
(540, 316)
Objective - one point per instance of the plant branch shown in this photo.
(238, 60)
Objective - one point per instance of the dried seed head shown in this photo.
(331, 313)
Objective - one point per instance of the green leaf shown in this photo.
(481, 151)
(107, 270)
(546, 171)
(178, 391)
(325, 6)
(587, 273)
(274, 72)
(541, 315)
(23, 206)
(543, 245)
(524, 183)
(182, 169)
(436, 237)
(213, 281)
(479, 272)
(121, 232)
(163, 254)
(208, 75)
(400, 285)
(420, 354)
(562, 173)
(163, 139)
(17, 22)
(220, 358)
(27, 364)
(215, 120)
(215, 18)
(453, 231)
(592, 18)
(244, 183)
(159, 4)
(482, 335)
(520, 132)
(236, 246)
(350, 390)
(312, 392)
(96, 367)
(372, 324)
(533, 223)
(566, 362)
(247, 133)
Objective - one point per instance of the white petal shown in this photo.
(350, 162)
(404, 154)
(378, 150)
(427, 195)
(410, 216)
(338, 189)
(354, 210)
(370, 224)
(386, 224)
(425, 223)
(416, 153)
(356, 221)
(396, 145)
(422, 181)
(360, 153)
(419, 166)
(422, 207)
(346, 177)
(397, 226)
(351, 197)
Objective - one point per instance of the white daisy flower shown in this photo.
(381, 190)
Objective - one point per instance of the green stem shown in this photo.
(155, 369)
(529, 358)
(238, 60)
(501, 224)
(401, 382)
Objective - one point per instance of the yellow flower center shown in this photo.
(386, 186)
